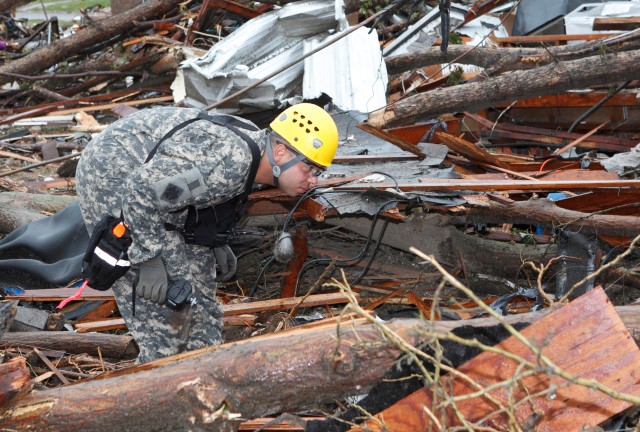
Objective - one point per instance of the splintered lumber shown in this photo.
(470, 150)
(553, 78)
(430, 184)
(118, 323)
(8, 310)
(107, 345)
(60, 50)
(393, 139)
(585, 339)
(15, 380)
(294, 266)
(282, 304)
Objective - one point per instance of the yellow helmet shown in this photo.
(310, 130)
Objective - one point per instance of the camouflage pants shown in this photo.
(158, 330)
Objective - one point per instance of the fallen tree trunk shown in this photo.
(256, 377)
(18, 208)
(554, 78)
(496, 60)
(6, 5)
(95, 344)
(103, 30)
(7, 312)
(545, 212)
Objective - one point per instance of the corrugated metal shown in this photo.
(263, 44)
(351, 71)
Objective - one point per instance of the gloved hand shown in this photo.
(226, 261)
(152, 281)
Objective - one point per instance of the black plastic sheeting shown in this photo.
(58, 241)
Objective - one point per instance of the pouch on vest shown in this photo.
(106, 260)
(210, 226)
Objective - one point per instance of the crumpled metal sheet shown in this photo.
(374, 200)
(350, 71)
(258, 48)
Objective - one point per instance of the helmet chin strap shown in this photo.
(276, 169)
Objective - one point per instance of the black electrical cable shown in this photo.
(598, 105)
(373, 254)
(346, 260)
(262, 271)
(287, 221)
(390, 176)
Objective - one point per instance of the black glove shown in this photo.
(152, 280)
(226, 261)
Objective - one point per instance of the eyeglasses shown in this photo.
(311, 169)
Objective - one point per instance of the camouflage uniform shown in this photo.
(202, 164)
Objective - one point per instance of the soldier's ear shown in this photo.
(280, 152)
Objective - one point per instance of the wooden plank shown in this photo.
(470, 150)
(51, 367)
(616, 23)
(574, 99)
(111, 105)
(102, 325)
(282, 304)
(597, 201)
(118, 323)
(393, 139)
(428, 184)
(57, 294)
(260, 423)
(301, 248)
(18, 156)
(586, 339)
(383, 157)
(536, 39)
(550, 133)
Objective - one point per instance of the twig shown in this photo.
(47, 162)
(69, 76)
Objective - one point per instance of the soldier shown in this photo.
(178, 176)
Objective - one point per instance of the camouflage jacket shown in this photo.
(201, 165)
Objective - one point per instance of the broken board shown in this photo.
(585, 338)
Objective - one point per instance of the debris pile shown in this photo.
(481, 211)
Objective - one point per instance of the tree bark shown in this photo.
(17, 208)
(199, 390)
(497, 60)
(12, 4)
(256, 377)
(107, 345)
(7, 312)
(105, 29)
(554, 78)
(545, 212)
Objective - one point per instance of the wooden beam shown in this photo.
(616, 23)
(15, 380)
(470, 150)
(428, 184)
(294, 266)
(393, 139)
(586, 339)
(283, 304)
(536, 39)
